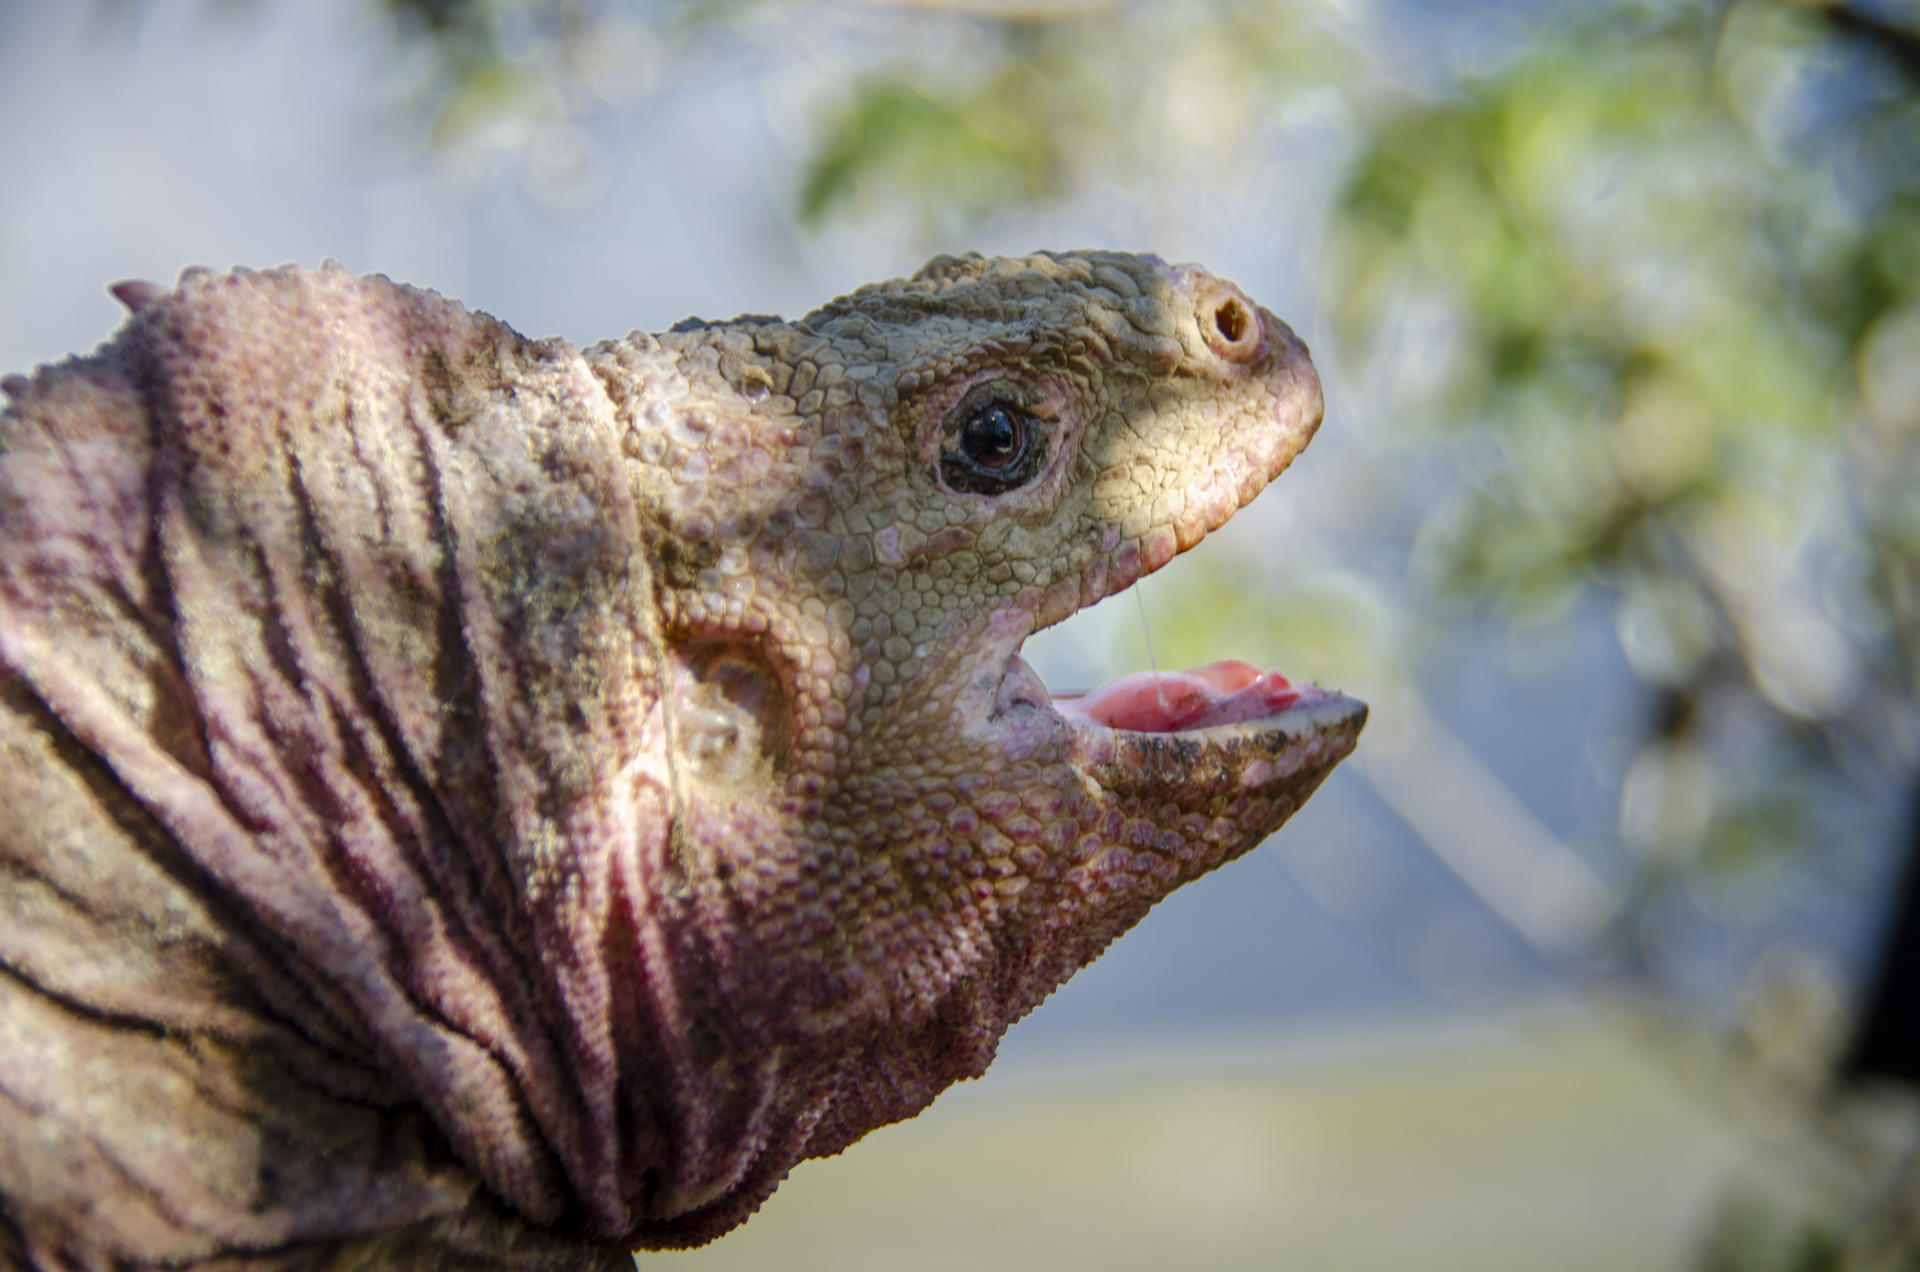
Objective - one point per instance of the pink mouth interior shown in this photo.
(1227, 692)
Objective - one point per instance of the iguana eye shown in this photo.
(992, 443)
(994, 440)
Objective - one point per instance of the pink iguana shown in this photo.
(466, 800)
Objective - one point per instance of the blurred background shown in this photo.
(1615, 521)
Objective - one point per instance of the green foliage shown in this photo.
(1674, 255)
(1678, 363)
(1041, 105)
(973, 149)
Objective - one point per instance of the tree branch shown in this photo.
(1897, 42)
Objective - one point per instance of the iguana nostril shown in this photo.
(1231, 319)
(1234, 329)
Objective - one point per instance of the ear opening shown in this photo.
(731, 714)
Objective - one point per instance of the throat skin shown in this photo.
(468, 799)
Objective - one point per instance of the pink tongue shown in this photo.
(1170, 701)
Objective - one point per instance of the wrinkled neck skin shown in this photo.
(620, 756)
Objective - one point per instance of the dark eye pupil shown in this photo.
(993, 438)
(992, 443)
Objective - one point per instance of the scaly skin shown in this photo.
(465, 799)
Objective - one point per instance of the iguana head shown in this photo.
(888, 841)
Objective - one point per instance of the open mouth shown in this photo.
(1221, 693)
(1229, 692)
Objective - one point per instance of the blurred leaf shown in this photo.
(973, 151)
